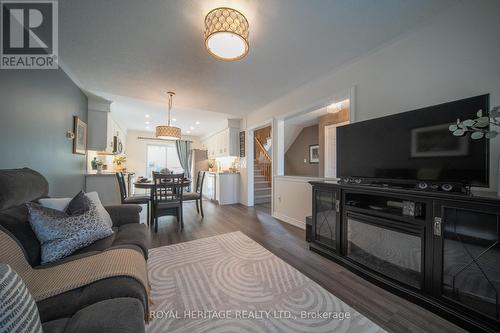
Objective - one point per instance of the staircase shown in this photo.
(262, 187)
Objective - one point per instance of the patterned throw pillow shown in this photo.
(60, 234)
(18, 311)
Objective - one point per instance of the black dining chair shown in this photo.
(167, 197)
(135, 199)
(197, 195)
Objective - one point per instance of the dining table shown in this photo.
(149, 185)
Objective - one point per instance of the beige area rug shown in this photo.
(229, 283)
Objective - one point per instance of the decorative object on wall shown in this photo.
(80, 139)
(314, 154)
(226, 34)
(166, 131)
(242, 144)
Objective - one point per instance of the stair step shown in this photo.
(262, 184)
(262, 191)
(259, 199)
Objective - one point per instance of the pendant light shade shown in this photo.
(226, 34)
(168, 132)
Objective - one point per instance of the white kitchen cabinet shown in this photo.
(225, 143)
(209, 186)
(223, 188)
(227, 188)
(102, 129)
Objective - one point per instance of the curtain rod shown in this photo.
(158, 139)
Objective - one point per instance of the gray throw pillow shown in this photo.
(18, 311)
(60, 234)
(78, 205)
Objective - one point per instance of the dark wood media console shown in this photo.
(440, 250)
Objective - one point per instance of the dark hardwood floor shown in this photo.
(288, 242)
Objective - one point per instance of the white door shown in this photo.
(331, 150)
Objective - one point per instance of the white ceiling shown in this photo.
(132, 113)
(140, 48)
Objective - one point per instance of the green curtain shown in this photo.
(184, 152)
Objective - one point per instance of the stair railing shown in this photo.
(263, 161)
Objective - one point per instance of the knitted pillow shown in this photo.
(60, 234)
(18, 311)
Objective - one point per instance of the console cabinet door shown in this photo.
(326, 218)
(467, 257)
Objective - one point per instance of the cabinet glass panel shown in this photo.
(395, 254)
(326, 218)
(471, 259)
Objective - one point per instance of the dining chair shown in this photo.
(135, 199)
(197, 195)
(167, 197)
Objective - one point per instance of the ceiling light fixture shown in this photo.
(166, 131)
(197, 123)
(226, 34)
(147, 116)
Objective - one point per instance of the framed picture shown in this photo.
(313, 154)
(242, 144)
(80, 140)
(437, 141)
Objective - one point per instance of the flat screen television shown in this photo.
(416, 146)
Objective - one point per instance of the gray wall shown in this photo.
(299, 150)
(36, 110)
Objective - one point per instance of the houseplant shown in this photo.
(479, 128)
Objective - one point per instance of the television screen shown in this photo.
(416, 146)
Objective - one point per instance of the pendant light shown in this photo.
(226, 34)
(168, 132)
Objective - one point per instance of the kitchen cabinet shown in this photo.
(223, 188)
(225, 143)
(104, 134)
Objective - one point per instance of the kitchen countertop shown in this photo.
(223, 173)
(102, 174)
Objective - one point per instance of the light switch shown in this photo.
(305, 160)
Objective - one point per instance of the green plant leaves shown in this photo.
(453, 127)
(477, 135)
(459, 132)
(468, 122)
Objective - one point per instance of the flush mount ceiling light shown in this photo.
(226, 34)
(166, 131)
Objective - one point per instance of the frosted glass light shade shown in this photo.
(168, 132)
(226, 34)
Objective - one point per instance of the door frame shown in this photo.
(326, 157)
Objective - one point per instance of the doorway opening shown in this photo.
(263, 166)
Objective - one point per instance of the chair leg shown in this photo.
(197, 207)
(182, 217)
(201, 207)
(147, 214)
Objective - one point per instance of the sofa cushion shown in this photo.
(18, 310)
(68, 303)
(119, 315)
(62, 204)
(18, 186)
(15, 222)
(60, 234)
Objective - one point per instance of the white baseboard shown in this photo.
(290, 220)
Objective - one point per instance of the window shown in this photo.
(163, 156)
